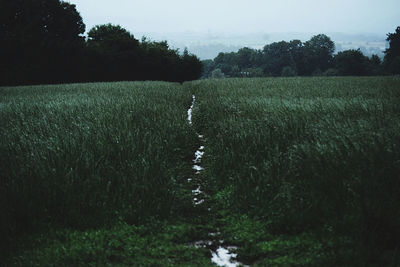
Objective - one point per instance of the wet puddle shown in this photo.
(221, 255)
(224, 257)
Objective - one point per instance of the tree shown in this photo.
(283, 54)
(246, 58)
(113, 53)
(227, 62)
(392, 54)
(375, 59)
(318, 53)
(375, 65)
(296, 48)
(208, 67)
(110, 38)
(191, 66)
(160, 62)
(277, 56)
(234, 64)
(41, 41)
(32, 20)
(352, 62)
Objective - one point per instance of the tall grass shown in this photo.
(295, 154)
(82, 155)
(307, 153)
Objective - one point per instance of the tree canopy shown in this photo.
(351, 62)
(43, 42)
(277, 56)
(313, 57)
(392, 54)
(110, 38)
(318, 53)
(295, 57)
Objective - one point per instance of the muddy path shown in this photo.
(221, 254)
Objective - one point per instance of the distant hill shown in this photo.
(207, 45)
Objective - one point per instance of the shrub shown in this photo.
(217, 74)
(288, 72)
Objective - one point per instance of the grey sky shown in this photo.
(241, 16)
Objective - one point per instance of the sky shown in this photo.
(243, 16)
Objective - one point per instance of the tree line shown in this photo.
(42, 41)
(295, 58)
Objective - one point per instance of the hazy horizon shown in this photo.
(234, 16)
(231, 24)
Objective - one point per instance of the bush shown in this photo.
(331, 72)
(288, 72)
(217, 74)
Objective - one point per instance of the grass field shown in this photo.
(314, 155)
(298, 171)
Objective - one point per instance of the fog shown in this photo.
(244, 16)
(237, 23)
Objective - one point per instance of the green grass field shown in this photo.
(298, 171)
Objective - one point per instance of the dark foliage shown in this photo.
(113, 54)
(318, 53)
(352, 62)
(42, 42)
(275, 59)
(392, 54)
(314, 57)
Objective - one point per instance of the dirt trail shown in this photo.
(221, 255)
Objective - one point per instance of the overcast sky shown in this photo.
(244, 16)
